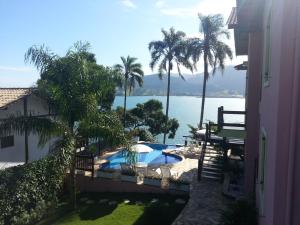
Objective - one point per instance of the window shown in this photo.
(7, 141)
(262, 169)
(267, 52)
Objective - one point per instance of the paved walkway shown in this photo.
(205, 204)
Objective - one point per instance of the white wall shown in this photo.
(16, 153)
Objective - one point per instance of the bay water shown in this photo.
(186, 109)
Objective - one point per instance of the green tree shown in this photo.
(213, 49)
(171, 50)
(147, 120)
(132, 73)
(75, 87)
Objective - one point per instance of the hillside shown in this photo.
(229, 84)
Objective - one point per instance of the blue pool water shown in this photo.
(156, 157)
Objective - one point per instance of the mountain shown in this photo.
(229, 84)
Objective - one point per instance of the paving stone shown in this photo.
(103, 200)
(84, 199)
(154, 200)
(89, 202)
(180, 201)
(126, 201)
(112, 203)
(205, 204)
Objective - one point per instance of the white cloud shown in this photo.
(204, 7)
(16, 69)
(128, 4)
(160, 4)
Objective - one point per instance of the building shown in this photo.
(16, 149)
(268, 31)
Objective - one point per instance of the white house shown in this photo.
(21, 101)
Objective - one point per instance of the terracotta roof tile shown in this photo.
(10, 95)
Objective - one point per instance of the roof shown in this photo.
(10, 95)
(232, 20)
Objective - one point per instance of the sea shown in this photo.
(186, 109)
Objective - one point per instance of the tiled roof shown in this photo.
(10, 95)
(232, 20)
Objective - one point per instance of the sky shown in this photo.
(114, 28)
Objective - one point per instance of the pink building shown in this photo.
(268, 31)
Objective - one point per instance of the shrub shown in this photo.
(241, 212)
(28, 191)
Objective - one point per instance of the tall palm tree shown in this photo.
(74, 86)
(213, 49)
(132, 72)
(172, 49)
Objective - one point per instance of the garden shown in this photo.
(119, 209)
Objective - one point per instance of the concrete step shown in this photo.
(211, 173)
(210, 177)
(212, 164)
(210, 168)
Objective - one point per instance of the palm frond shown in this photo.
(44, 127)
(39, 56)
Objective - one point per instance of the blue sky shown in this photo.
(113, 27)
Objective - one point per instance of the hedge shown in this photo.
(28, 191)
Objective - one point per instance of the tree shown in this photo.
(132, 73)
(172, 49)
(147, 120)
(213, 49)
(75, 87)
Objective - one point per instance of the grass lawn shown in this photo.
(142, 209)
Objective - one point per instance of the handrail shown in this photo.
(221, 122)
(203, 151)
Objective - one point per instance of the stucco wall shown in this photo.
(16, 153)
(278, 117)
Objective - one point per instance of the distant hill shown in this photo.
(229, 84)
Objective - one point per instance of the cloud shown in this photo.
(128, 4)
(16, 69)
(204, 7)
(160, 4)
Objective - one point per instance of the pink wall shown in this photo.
(277, 113)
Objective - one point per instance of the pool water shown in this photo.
(156, 157)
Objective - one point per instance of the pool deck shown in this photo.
(206, 201)
(184, 170)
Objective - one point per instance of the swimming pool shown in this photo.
(155, 157)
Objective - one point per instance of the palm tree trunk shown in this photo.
(125, 97)
(26, 132)
(204, 89)
(168, 96)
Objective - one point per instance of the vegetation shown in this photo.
(214, 51)
(28, 191)
(171, 50)
(132, 73)
(147, 120)
(240, 212)
(80, 93)
(139, 211)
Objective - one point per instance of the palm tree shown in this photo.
(213, 49)
(132, 72)
(74, 86)
(172, 49)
